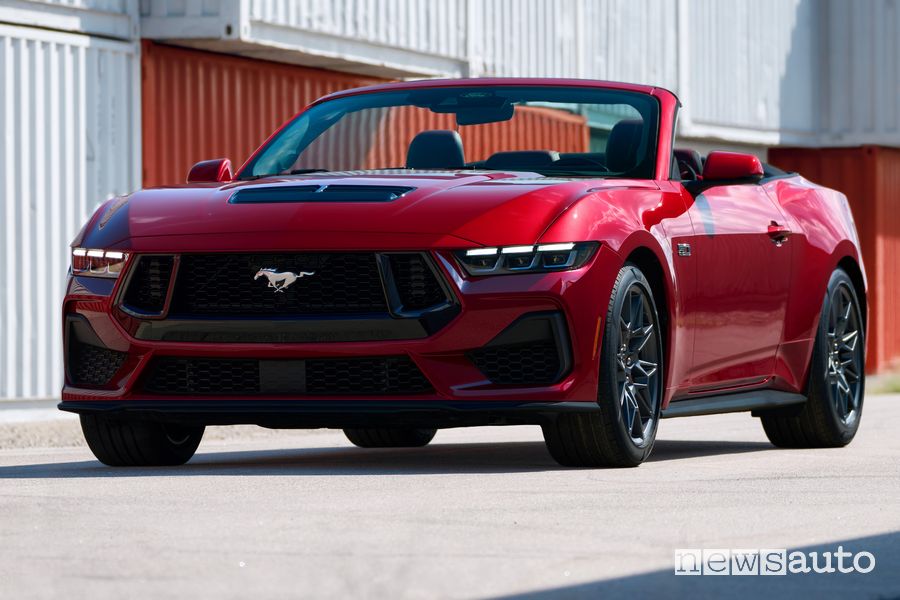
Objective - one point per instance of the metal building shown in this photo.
(70, 129)
(102, 96)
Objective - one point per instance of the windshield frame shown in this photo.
(666, 108)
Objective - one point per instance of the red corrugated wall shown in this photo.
(870, 178)
(199, 105)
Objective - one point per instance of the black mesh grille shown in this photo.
(394, 375)
(149, 283)
(203, 376)
(371, 376)
(224, 284)
(93, 365)
(417, 285)
(536, 363)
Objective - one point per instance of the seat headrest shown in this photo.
(521, 159)
(623, 144)
(436, 149)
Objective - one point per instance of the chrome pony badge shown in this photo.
(279, 281)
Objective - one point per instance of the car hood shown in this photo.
(461, 208)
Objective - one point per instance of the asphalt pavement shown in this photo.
(480, 513)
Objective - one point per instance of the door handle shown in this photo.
(778, 233)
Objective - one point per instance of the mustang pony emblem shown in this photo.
(279, 281)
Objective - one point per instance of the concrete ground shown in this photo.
(479, 513)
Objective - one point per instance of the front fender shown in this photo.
(631, 223)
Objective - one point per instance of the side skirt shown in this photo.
(739, 402)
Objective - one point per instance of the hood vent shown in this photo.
(318, 193)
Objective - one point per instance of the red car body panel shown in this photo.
(739, 313)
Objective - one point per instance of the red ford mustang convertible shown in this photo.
(413, 256)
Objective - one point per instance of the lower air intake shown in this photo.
(376, 376)
(93, 365)
(533, 351)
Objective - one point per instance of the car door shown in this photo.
(742, 254)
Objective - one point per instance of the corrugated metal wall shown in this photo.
(69, 113)
(750, 70)
(887, 288)
(596, 39)
(861, 73)
(870, 178)
(427, 26)
(115, 19)
(200, 105)
(113, 6)
(762, 72)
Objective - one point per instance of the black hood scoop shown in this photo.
(318, 193)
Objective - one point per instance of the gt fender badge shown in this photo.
(279, 280)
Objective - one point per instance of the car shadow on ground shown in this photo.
(501, 457)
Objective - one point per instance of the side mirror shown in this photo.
(210, 171)
(731, 165)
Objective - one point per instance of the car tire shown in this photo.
(130, 443)
(831, 414)
(630, 386)
(382, 437)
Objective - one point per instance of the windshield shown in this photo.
(563, 131)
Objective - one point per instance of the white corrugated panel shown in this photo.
(597, 39)
(70, 118)
(427, 26)
(861, 78)
(108, 18)
(110, 6)
(527, 38)
(750, 69)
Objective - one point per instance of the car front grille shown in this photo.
(287, 297)
(227, 284)
(368, 376)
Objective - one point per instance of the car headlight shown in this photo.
(98, 263)
(510, 260)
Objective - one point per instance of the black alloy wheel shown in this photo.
(622, 431)
(831, 415)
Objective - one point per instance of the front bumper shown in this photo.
(333, 414)
(488, 306)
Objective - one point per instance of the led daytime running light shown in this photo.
(93, 262)
(511, 260)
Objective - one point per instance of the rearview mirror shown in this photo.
(731, 165)
(480, 115)
(210, 171)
